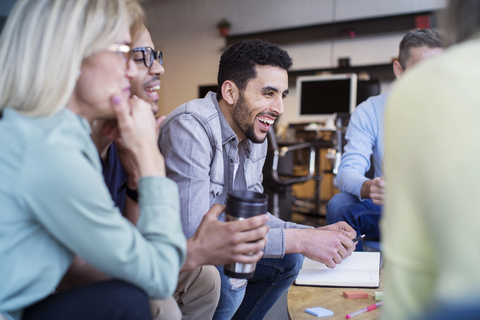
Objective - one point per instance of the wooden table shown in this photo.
(301, 297)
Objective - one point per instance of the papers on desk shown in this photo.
(317, 127)
(361, 270)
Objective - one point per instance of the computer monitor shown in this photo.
(319, 97)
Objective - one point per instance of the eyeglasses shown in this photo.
(122, 49)
(147, 55)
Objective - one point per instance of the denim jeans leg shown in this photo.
(363, 216)
(231, 295)
(271, 279)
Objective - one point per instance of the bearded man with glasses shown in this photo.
(149, 62)
(147, 55)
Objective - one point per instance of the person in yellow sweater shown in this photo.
(432, 140)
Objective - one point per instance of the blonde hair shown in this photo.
(44, 43)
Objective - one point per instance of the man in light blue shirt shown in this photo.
(361, 199)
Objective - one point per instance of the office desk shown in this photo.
(319, 144)
(319, 171)
(301, 297)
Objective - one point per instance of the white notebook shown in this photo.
(361, 269)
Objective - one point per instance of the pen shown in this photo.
(369, 308)
(358, 238)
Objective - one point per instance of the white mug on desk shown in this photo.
(330, 124)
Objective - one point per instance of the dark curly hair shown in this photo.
(238, 62)
(417, 38)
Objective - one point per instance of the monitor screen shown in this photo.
(319, 97)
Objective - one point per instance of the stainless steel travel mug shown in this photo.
(243, 204)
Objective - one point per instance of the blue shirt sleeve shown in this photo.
(365, 137)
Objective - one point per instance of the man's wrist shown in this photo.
(365, 189)
(294, 240)
(192, 257)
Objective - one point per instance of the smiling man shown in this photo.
(217, 144)
(117, 167)
(149, 61)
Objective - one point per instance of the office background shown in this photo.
(185, 30)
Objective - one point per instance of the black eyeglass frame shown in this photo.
(154, 55)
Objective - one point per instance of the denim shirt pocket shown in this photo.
(253, 173)
(216, 189)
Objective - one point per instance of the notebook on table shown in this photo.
(361, 270)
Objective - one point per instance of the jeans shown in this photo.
(113, 299)
(363, 216)
(252, 300)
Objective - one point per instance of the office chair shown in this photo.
(278, 176)
(335, 154)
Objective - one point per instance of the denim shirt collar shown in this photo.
(227, 132)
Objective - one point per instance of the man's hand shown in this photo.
(219, 243)
(375, 190)
(342, 227)
(328, 245)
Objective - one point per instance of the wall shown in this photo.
(185, 31)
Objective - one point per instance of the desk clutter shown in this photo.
(292, 145)
(306, 131)
(355, 294)
(366, 309)
(319, 312)
(379, 295)
(314, 126)
(303, 297)
(345, 297)
(350, 294)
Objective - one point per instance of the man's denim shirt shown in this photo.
(198, 145)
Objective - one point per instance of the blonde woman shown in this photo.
(63, 64)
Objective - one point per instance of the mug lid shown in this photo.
(247, 196)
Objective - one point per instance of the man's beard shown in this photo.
(241, 115)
